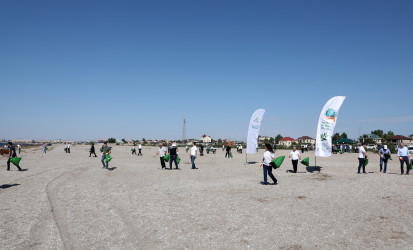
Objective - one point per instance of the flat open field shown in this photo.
(69, 201)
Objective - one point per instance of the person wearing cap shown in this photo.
(173, 154)
(403, 154)
(295, 156)
(12, 153)
(161, 152)
(384, 154)
(105, 151)
(362, 158)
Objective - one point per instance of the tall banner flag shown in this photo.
(326, 124)
(253, 131)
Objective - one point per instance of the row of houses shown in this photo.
(397, 139)
(288, 141)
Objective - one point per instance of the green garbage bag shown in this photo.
(178, 160)
(15, 161)
(230, 154)
(166, 157)
(341, 152)
(411, 164)
(132, 149)
(278, 161)
(306, 161)
(108, 158)
(366, 162)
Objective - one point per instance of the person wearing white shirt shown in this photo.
(65, 147)
(266, 166)
(240, 149)
(140, 149)
(295, 156)
(362, 158)
(194, 154)
(161, 152)
(68, 148)
(403, 154)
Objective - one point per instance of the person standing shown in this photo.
(186, 149)
(12, 153)
(384, 154)
(403, 154)
(44, 148)
(194, 154)
(173, 154)
(106, 151)
(223, 147)
(68, 148)
(228, 153)
(133, 150)
(161, 152)
(362, 158)
(295, 156)
(140, 148)
(266, 166)
(65, 147)
(92, 150)
(302, 149)
(240, 149)
(201, 151)
(350, 147)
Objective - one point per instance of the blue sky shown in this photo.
(131, 69)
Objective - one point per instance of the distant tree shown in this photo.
(344, 135)
(219, 141)
(378, 132)
(144, 141)
(124, 141)
(271, 140)
(278, 138)
(388, 135)
(111, 140)
(335, 137)
(369, 141)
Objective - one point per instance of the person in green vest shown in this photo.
(105, 151)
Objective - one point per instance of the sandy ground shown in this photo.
(67, 201)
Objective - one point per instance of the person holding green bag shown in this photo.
(173, 154)
(403, 154)
(267, 158)
(194, 154)
(105, 151)
(161, 152)
(362, 158)
(12, 154)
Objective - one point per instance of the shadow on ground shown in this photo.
(4, 186)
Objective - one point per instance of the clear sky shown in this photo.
(131, 69)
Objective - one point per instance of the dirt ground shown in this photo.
(67, 201)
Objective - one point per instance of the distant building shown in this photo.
(206, 139)
(397, 139)
(306, 139)
(377, 139)
(261, 139)
(286, 141)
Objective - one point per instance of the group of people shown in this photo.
(139, 148)
(342, 148)
(402, 153)
(172, 150)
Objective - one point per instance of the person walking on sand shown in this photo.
(362, 158)
(65, 147)
(266, 164)
(384, 154)
(19, 148)
(228, 153)
(350, 147)
(295, 156)
(194, 154)
(133, 150)
(403, 154)
(92, 150)
(173, 154)
(140, 148)
(12, 154)
(106, 151)
(240, 148)
(161, 152)
(44, 148)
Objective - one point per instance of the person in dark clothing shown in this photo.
(92, 150)
(201, 149)
(173, 154)
(228, 153)
(266, 164)
(12, 153)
